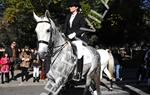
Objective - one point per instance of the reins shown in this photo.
(57, 52)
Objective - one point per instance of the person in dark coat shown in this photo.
(13, 55)
(72, 29)
(118, 62)
(74, 21)
(147, 63)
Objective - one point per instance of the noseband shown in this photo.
(41, 41)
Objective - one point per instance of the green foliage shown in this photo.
(1, 1)
(14, 8)
(114, 19)
(85, 8)
(9, 15)
(17, 19)
(95, 19)
(121, 21)
(55, 1)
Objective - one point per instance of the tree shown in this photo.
(123, 23)
(18, 20)
(145, 6)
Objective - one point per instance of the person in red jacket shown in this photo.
(5, 63)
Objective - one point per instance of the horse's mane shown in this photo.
(59, 37)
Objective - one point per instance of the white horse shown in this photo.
(107, 65)
(63, 61)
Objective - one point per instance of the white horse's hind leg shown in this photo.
(102, 69)
(110, 77)
(107, 73)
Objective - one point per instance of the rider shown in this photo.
(74, 21)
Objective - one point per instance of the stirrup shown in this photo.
(77, 77)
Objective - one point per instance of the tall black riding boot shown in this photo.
(79, 69)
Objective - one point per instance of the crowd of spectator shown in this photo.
(132, 57)
(25, 60)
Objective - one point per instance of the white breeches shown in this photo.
(78, 44)
(35, 71)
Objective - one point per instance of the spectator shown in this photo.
(13, 54)
(36, 65)
(117, 61)
(4, 62)
(25, 56)
(141, 66)
(147, 63)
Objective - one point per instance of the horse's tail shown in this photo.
(111, 63)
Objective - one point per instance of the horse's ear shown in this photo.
(36, 17)
(47, 14)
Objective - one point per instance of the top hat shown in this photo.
(74, 3)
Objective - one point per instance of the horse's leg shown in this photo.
(110, 78)
(111, 65)
(89, 77)
(88, 82)
(102, 83)
(101, 72)
(96, 76)
(97, 82)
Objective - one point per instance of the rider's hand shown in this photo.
(72, 35)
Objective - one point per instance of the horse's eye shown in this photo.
(48, 30)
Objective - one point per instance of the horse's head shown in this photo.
(44, 29)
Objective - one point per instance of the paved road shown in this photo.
(128, 87)
(39, 90)
(30, 88)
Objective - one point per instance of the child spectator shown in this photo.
(4, 64)
(36, 65)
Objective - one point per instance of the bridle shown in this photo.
(51, 44)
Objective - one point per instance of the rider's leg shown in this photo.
(79, 47)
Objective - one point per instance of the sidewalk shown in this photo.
(18, 82)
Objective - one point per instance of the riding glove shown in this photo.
(72, 35)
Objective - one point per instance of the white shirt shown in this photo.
(72, 18)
